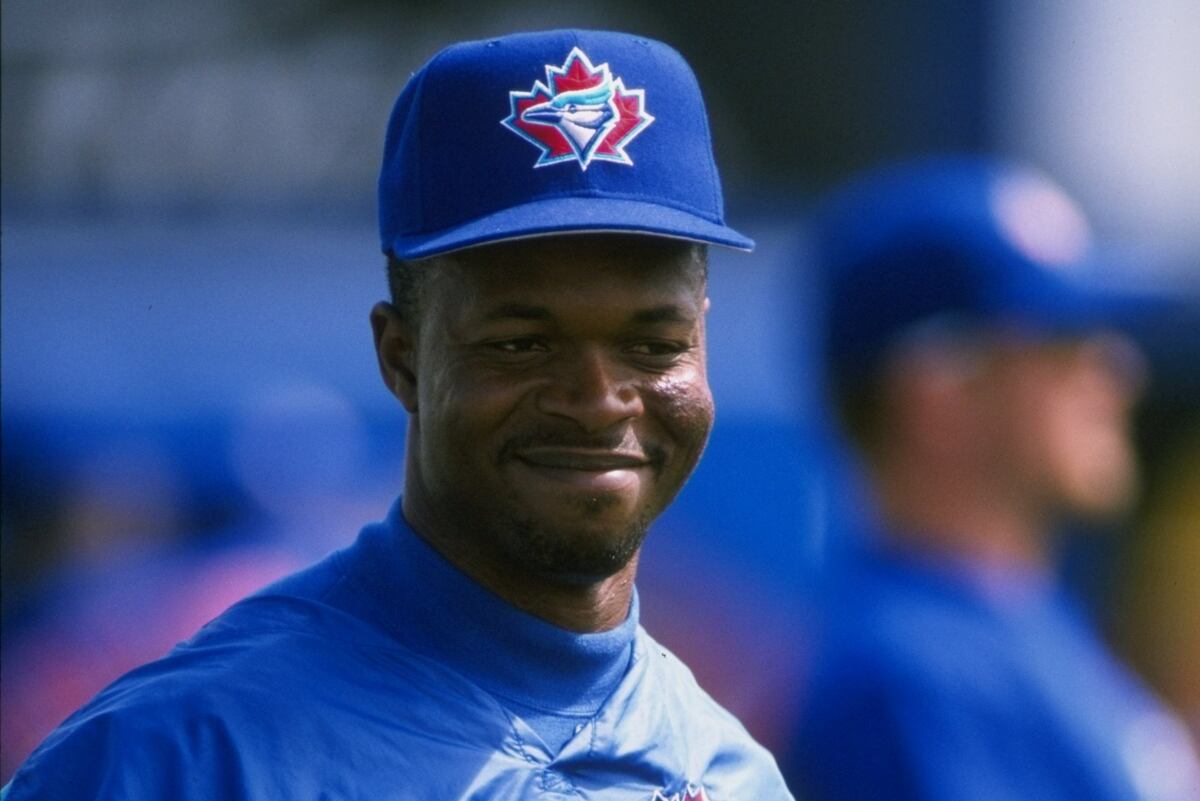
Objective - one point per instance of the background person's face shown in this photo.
(1069, 410)
(562, 399)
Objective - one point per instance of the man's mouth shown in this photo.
(595, 469)
(586, 459)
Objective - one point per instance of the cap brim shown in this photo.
(571, 215)
(1080, 302)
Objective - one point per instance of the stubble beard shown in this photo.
(573, 554)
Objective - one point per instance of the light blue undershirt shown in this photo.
(555, 680)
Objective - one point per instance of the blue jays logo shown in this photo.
(689, 793)
(580, 114)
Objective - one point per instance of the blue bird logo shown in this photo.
(584, 116)
(581, 114)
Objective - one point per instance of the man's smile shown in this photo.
(588, 468)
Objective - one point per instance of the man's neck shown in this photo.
(575, 604)
(958, 518)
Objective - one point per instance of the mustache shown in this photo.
(626, 443)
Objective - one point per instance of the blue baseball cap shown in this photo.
(548, 133)
(965, 241)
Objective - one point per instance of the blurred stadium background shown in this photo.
(190, 401)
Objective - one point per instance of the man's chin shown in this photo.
(577, 551)
(1104, 498)
(582, 516)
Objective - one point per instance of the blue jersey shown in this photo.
(940, 682)
(384, 673)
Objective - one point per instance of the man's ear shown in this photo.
(396, 349)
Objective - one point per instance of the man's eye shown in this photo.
(658, 348)
(519, 345)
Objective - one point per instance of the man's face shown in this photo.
(561, 398)
(1069, 407)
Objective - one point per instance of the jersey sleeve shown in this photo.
(124, 755)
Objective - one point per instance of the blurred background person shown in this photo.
(989, 397)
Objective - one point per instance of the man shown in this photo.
(545, 202)
(988, 398)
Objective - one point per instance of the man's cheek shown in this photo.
(684, 407)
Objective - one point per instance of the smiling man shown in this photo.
(562, 404)
(545, 335)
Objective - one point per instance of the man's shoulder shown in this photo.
(278, 686)
(899, 640)
(692, 721)
(890, 611)
(295, 657)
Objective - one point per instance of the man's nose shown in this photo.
(591, 389)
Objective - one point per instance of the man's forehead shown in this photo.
(557, 293)
(647, 313)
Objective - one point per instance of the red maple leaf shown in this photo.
(629, 107)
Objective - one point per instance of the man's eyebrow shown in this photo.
(518, 311)
(667, 313)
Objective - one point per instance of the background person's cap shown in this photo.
(960, 240)
(543, 133)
